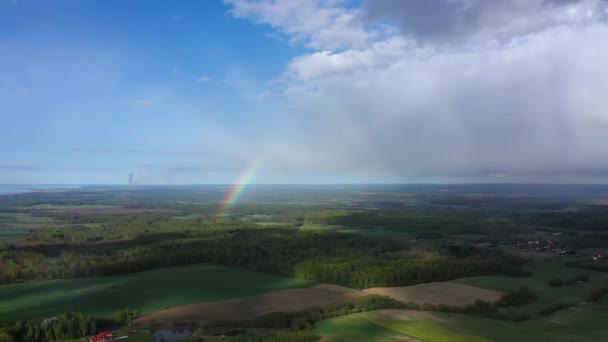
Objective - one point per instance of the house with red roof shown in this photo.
(104, 336)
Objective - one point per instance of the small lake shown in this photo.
(166, 335)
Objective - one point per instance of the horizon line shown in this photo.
(274, 184)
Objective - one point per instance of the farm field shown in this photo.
(374, 232)
(144, 291)
(23, 218)
(582, 323)
(542, 272)
(450, 248)
(11, 233)
(447, 293)
(389, 325)
(252, 307)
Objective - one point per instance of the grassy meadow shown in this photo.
(379, 326)
(11, 233)
(582, 323)
(23, 218)
(144, 291)
(542, 272)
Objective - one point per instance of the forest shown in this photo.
(336, 258)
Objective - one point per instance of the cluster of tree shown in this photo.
(554, 308)
(360, 271)
(597, 294)
(422, 222)
(589, 219)
(593, 296)
(589, 265)
(125, 316)
(5, 336)
(557, 282)
(353, 261)
(519, 297)
(60, 327)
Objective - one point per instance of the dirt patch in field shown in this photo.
(437, 293)
(251, 307)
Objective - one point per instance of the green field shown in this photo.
(144, 291)
(583, 323)
(377, 232)
(11, 233)
(23, 218)
(373, 326)
(73, 206)
(542, 272)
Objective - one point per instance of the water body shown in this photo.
(166, 335)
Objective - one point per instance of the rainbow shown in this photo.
(237, 189)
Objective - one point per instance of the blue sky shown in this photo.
(322, 91)
(93, 90)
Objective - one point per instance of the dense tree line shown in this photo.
(362, 272)
(589, 219)
(597, 294)
(124, 316)
(519, 297)
(397, 220)
(557, 282)
(353, 261)
(61, 327)
(554, 308)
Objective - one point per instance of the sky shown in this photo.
(303, 91)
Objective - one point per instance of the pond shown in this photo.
(167, 335)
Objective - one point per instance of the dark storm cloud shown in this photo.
(462, 20)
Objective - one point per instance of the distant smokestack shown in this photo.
(130, 178)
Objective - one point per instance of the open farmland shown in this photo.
(144, 291)
(542, 273)
(23, 218)
(447, 293)
(252, 307)
(579, 324)
(97, 253)
(10, 233)
(91, 210)
(390, 325)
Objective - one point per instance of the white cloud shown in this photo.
(324, 63)
(518, 95)
(318, 24)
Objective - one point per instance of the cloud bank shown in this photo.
(442, 90)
